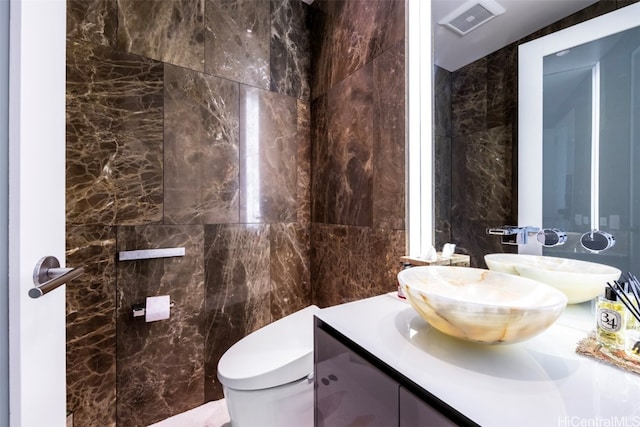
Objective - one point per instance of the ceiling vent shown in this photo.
(471, 15)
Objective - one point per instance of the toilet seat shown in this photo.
(277, 354)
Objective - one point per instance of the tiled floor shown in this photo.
(211, 414)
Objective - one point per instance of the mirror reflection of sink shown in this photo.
(511, 361)
(579, 280)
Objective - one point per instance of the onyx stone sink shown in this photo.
(481, 305)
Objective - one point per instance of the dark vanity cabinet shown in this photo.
(416, 412)
(353, 388)
(348, 389)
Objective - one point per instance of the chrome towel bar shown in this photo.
(150, 253)
(47, 276)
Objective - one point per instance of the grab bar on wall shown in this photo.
(47, 276)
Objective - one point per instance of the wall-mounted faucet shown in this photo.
(512, 235)
(594, 241)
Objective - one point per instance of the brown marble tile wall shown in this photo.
(114, 176)
(330, 266)
(350, 263)
(93, 21)
(238, 39)
(349, 34)
(160, 365)
(303, 144)
(342, 158)
(237, 300)
(358, 140)
(255, 273)
(484, 142)
(290, 71)
(114, 136)
(389, 139)
(268, 161)
(91, 325)
(358, 155)
(170, 31)
(201, 137)
(290, 273)
(183, 129)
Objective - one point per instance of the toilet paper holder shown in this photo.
(139, 310)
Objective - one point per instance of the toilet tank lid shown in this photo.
(276, 354)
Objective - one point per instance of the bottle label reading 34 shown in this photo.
(609, 320)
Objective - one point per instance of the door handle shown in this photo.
(47, 276)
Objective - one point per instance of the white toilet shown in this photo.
(267, 376)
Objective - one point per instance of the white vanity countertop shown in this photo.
(539, 382)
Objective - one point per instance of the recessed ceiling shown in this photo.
(521, 18)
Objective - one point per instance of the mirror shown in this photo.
(579, 137)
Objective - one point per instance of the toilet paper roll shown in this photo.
(158, 308)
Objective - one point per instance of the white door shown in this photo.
(4, 212)
(36, 210)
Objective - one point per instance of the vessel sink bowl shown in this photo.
(480, 305)
(579, 280)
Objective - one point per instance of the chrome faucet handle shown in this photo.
(550, 237)
(597, 241)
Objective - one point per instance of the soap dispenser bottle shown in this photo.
(610, 318)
